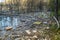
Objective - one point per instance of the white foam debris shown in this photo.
(34, 31)
(28, 31)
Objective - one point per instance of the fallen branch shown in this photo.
(56, 21)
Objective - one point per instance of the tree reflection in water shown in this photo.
(8, 21)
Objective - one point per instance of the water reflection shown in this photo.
(8, 21)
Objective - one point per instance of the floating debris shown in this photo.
(45, 22)
(37, 22)
(34, 31)
(28, 31)
(8, 28)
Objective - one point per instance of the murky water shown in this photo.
(8, 21)
(14, 21)
(20, 24)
